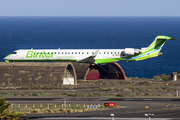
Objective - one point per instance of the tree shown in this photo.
(5, 114)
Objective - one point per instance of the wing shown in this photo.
(89, 59)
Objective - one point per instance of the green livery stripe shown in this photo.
(8, 55)
(49, 60)
(160, 40)
(148, 56)
(153, 48)
(106, 60)
(157, 44)
(7, 61)
(151, 51)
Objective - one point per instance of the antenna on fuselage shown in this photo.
(31, 48)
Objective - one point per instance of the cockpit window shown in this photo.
(14, 52)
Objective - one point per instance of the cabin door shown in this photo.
(21, 55)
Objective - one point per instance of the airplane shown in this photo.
(91, 56)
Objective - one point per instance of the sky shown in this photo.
(89, 7)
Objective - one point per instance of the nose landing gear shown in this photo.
(12, 64)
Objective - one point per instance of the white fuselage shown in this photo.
(62, 54)
(92, 56)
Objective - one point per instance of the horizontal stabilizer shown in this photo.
(173, 39)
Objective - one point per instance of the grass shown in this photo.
(163, 77)
(137, 88)
(128, 93)
(144, 95)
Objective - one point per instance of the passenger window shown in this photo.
(75, 52)
(58, 52)
(104, 52)
(82, 52)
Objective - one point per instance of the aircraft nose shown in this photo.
(7, 57)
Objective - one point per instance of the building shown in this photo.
(62, 73)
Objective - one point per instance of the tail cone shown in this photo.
(160, 53)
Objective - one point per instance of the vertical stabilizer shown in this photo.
(153, 49)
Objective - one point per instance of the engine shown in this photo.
(131, 51)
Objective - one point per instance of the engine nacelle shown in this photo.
(131, 51)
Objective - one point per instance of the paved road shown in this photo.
(86, 90)
(100, 118)
(83, 100)
(89, 99)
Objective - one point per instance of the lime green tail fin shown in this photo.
(157, 43)
(153, 50)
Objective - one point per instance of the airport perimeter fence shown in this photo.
(50, 108)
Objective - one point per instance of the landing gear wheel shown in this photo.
(12, 65)
(93, 66)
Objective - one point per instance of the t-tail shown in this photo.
(153, 50)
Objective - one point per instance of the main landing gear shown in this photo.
(93, 66)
